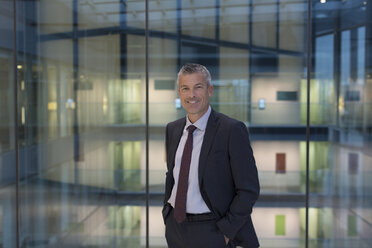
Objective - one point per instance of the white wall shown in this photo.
(264, 222)
(265, 155)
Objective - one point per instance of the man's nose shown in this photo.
(192, 93)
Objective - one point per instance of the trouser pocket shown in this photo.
(166, 211)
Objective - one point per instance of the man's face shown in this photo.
(194, 93)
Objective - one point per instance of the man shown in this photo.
(211, 182)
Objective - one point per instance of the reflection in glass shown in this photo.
(264, 18)
(234, 21)
(340, 191)
(199, 18)
(82, 113)
(81, 97)
(8, 214)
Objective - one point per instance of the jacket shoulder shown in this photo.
(176, 123)
(227, 120)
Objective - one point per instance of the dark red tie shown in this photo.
(183, 179)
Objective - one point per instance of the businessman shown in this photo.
(211, 180)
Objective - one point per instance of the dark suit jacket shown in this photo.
(228, 177)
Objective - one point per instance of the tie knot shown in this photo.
(191, 129)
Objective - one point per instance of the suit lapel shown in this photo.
(207, 143)
(176, 137)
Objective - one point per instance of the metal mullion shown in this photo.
(179, 32)
(250, 26)
(75, 48)
(217, 36)
(277, 24)
(147, 121)
(122, 30)
(337, 62)
(15, 102)
(308, 78)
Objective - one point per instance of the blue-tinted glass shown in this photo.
(252, 56)
(361, 54)
(340, 199)
(8, 218)
(81, 77)
(345, 57)
(81, 128)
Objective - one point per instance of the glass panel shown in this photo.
(163, 16)
(246, 85)
(267, 86)
(98, 14)
(135, 14)
(340, 164)
(163, 109)
(291, 25)
(163, 68)
(8, 221)
(234, 21)
(81, 114)
(361, 54)
(322, 92)
(277, 104)
(345, 56)
(55, 16)
(264, 23)
(232, 91)
(82, 153)
(198, 18)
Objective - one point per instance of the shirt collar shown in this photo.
(201, 124)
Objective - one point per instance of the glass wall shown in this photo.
(81, 95)
(8, 146)
(258, 78)
(82, 123)
(340, 199)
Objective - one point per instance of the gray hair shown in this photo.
(195, 68)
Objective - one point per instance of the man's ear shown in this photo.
(210, 90)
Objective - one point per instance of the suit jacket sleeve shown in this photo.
(245, 177)
(168, 177)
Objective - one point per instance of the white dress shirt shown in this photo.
(194, 201)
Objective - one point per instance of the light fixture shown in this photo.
(177, 103)
(70, 104)
(23, 115)
(19, 67)
(323, 1)
(261, 104)
(52, 106)
(105, 105)
(341, 106)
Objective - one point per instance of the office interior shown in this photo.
(87, 87)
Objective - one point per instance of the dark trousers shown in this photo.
(197, 231)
